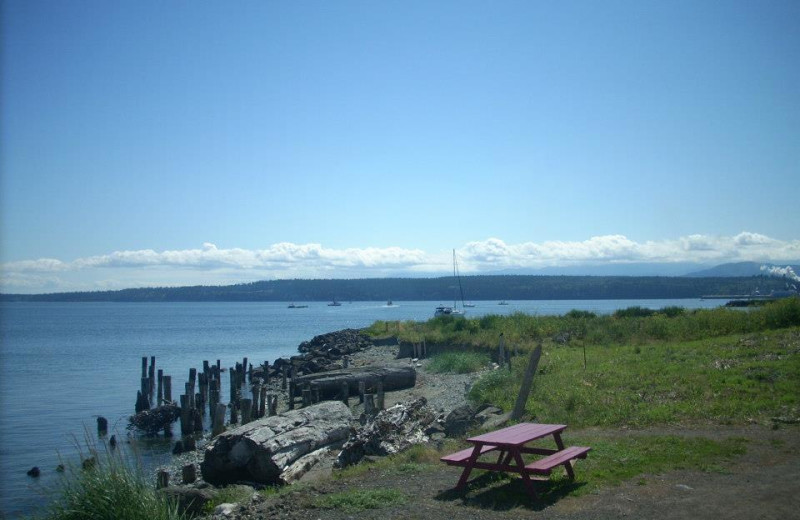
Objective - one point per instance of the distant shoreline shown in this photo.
(477, 288)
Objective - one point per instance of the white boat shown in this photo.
(443, 310)
(503, 302)
(334, 303)
(293, 306)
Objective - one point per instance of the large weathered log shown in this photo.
(330, 383)
(262, 451)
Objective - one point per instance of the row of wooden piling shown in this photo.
(201, 398)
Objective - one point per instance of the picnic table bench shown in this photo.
(510, 444)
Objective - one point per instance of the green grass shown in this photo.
(360, 500)
(111, 489)
(727, 380)
(634, 325)
(458, 362)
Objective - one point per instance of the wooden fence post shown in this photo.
(527, 381)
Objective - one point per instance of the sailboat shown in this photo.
(443, 310)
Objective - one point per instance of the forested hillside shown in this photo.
(441, 289)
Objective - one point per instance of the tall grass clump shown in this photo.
(110, 488)
(458, 362)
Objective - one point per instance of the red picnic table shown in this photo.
(509, 444)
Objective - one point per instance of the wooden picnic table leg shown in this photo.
(525, 479)
(476, 452)
(567, 464)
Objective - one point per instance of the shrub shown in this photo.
(458, 362)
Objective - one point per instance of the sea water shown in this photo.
(64, 364)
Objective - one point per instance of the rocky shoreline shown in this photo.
(432, 407)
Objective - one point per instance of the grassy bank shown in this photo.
(634, 325)
(642, 367)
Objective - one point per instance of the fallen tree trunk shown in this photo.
(330, 383)
(264, 451)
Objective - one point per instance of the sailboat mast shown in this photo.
(458, 276)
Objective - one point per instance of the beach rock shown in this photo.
(459, 421)
(264, 451)
(390, 431)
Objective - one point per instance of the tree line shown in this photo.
(495, 287)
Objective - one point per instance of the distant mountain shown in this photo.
(739, 269)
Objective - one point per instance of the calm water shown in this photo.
(65, 363)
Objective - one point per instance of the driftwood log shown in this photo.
(267, 450)
(330, 383)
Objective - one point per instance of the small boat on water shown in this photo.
(503, 302)
(469, 305)
(334, 303)
(443, 310)
(389, 303)
(293, 306)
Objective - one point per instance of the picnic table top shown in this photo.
(518, 434)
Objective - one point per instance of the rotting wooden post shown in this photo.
(284, 369)
(168, 388)
(315, 397)
(345, 393)
(501, 351)
(527, 381)
(255, 391)
(232, 381)
(197, 420)
(188, 473)
(185, 429)
(379, 395)
(266, 372)
(145, 393)
(291, 396)
(362, 388)
(162, 479)
(262, 405)
(369, 404)
(219, 367)
(306, 397)
(273, 405)
(144, 367)
(160, 388)
(219, 419)
(247, 405)
(102, 426)
(151, 374)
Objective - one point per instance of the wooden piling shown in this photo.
(160, 388)
(145, 393)
(162, 479)
(151, 374)
(246, 405)
(315, 396)
(379, 395)
(273, 405)
(291, 396)
(306, 397)
(284, 369)
(144, 367)
(219, 419)
(262, 406)
(186, 427)
(369, 404)
(345, 394)
(168, 388)
(362, 388)
(188, 473)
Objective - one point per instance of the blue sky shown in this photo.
(165, 143)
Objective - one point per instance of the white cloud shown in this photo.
(211, 264)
